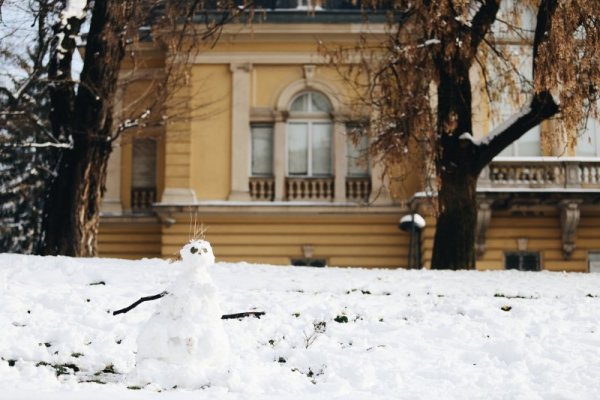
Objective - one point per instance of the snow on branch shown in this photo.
(56, 145)
(74, 8)
(525, 110)
(428, 42)
(133, 122)
(71, 18)
(541, 107)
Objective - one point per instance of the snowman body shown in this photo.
(184, 343)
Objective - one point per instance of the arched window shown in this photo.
(310, 136)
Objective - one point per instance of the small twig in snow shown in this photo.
(256, 314)
(140, 301)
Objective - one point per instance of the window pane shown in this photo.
(594, 261)
(144, 163)
(509, 104)
(309, 262)
(300, 104)
(511, 261)
(358, 156)
(321, 149)
(509, 151)
(262, 150)
(529, 143)
(320, 103)
(587, 142)
(531, 262)
(522, 260)
(298, 148)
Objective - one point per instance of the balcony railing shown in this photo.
(262, 188)
(312, 4)
(309, 189)
(142, 198)
(358, 189)
(540, 174)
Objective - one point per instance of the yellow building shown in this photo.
(266, 167)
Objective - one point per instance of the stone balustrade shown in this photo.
(544, 173)
(358, 189)
(262, 188)
(309, 189)
(142, 198)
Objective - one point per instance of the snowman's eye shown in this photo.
(193, 250)
(204, 250)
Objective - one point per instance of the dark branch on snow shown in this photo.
(140, 301)
(256, 314)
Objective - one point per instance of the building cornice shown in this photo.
(275, 208)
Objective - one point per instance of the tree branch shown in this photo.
(62, 91)
(256, 314)
(140, 301)
(542, 30)
(541, 108)
(481, 24)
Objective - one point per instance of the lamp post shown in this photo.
(413, 224)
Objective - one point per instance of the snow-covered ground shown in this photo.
(327, 333)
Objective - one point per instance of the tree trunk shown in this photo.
(72, 211)
(73, 205)
(454, 242)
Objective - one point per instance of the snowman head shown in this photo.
(197, 253)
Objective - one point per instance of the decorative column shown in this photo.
(178, 149)
(569, 220)
(340, 157)
(485, 179)
(240, 131)
(484, 216)
(279, 154)
(572, 179)
(557, 138)
(111, 201)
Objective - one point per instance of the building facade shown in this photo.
(266, 167)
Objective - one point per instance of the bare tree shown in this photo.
(28, 151)
(416, 86)
(82, 113)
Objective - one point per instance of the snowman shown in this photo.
(184, 343)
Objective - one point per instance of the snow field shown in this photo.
(328, 333)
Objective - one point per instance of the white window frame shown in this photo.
(350, 146)
(310, 118)
(262, 125)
